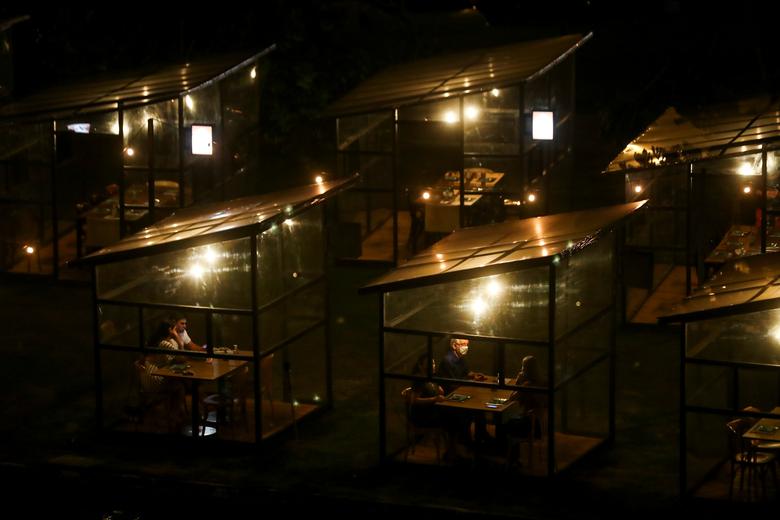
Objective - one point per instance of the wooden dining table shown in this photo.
(199, 370)
(765, 429)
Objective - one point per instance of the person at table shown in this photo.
(518, 420)
(423, 395)
(180, 336)
(453, 364)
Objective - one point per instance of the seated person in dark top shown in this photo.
(423, 395)
(453, 365)
(518, 420)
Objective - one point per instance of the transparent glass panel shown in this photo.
(366, 133)
(25, 238)
(492, 122)
(502, 174)
(707, 448)
(581, 414)
(118, 325)
(240, 112)
(164, 116)
(744, 338)
(107, 123)
(758, 388)
(708, 386)
(508, 305)
(212, 275)
(291, 314)
(404, 352)
(232, 330)
(136, 400)
(583, 347)
(293, 382)
(584, 284)
(396, 422)
(290, 255)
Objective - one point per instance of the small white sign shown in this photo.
(201, 140)
(542, 125)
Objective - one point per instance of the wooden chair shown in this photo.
(414, 431)
(747, 462)
(154, 392)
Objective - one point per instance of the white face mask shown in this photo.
(463, 350)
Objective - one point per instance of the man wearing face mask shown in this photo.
(453, 364)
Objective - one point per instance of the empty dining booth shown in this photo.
(730, 381)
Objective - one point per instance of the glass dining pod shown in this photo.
(84, 165)
(730, 381)
(447, 142)
(539, 289)
(243, 281)
(712, 177)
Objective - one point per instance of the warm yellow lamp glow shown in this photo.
(196, 271)
(531, 197)
(638, 188)
(318, 179)
(450, 117)
(471, 112)
(775, 333)
(189, 102)
(495, 92)
(746, 169)
(211, 256)
(29, 250)
(253, 73)
(746, 189)
(478, 307)
(129, 151)
(494, 288)
(426, 195)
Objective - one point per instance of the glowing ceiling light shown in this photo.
(495, 92)
(288, 222)
(775, 333)
(426, 195)
(478, 307)
(746, 169)
(450, 117)
(129, 151)
(253, 73)
(638, 188)
(494, 288)
(189, 102)
(29, 250)
(439, 256)
(471, 112)
(531, 197)
(211, 256)
(746, 189)
(318, 179)
(196, 271)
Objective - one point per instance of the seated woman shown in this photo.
(422, 395)
(518, 418)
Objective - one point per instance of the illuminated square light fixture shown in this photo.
(201, 140)
(79, 128)
(542, 125)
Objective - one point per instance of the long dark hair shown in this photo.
(162, 331)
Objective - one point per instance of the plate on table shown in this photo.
(458, 397)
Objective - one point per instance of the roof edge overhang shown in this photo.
(96, 108)
(428, 98)
(230, 234)
(720, 312)
(500, 268)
